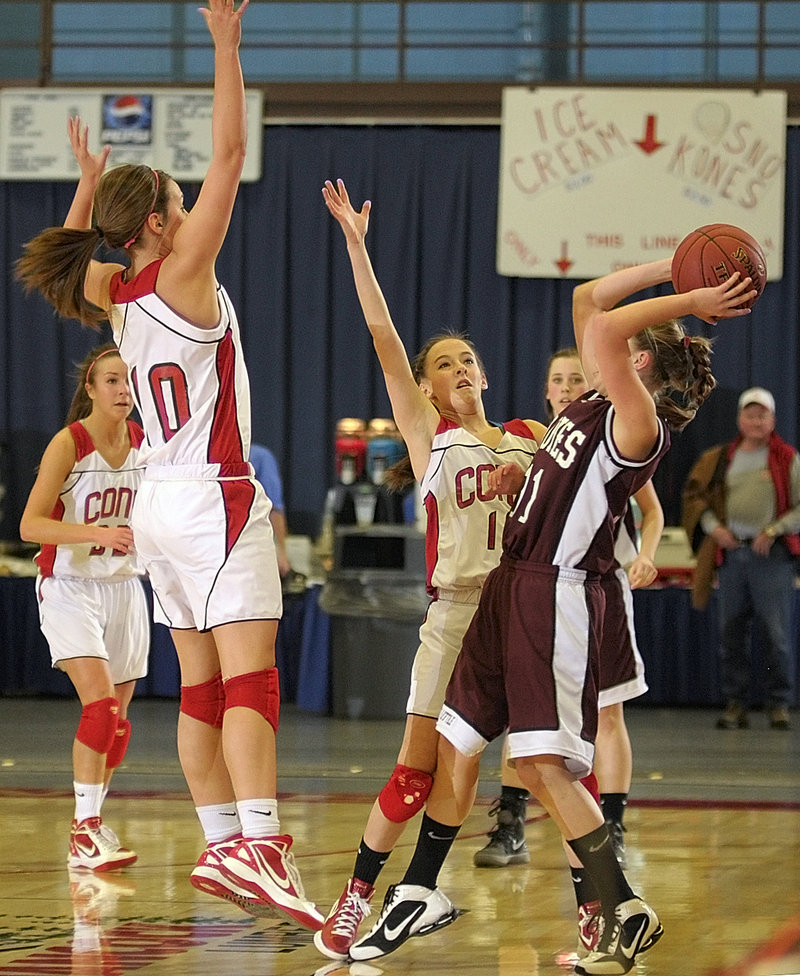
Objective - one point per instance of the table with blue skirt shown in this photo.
(680, 647)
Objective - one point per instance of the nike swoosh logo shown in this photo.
(600, 846)
(391, 933)
(284, 883)
(262, 813)
(436, 836)
(630, 950)
(90, 848)
(224, 813)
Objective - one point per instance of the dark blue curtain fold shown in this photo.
(432, 241)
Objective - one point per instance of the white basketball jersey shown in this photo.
(465, 525)
(190, 384)
(95, 493)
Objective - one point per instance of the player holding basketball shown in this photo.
(201, 519)
(529, 658)
(438, 407)
(92, 607)
(621, 676)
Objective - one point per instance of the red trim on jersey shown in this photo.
(46, 557)
(135, 433)
(225, 445)
(143, 284)
(431, 539)
(238, 497)
(520, 428)
(84, 444)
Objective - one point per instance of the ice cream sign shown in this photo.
(592, 179)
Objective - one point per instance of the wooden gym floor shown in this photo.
(713, 843)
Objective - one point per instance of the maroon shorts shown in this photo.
(529, 663)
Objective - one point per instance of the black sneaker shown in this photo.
(615, 832)
(634, 928)
(408, 910)
(506, 841)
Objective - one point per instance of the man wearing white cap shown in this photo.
(741, 512)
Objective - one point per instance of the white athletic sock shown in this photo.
(259, 818)
(219, 821)
(88, 799)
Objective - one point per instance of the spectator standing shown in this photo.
(741, 512)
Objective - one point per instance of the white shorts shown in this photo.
(96, 618)
(440, 638)
(207, 546)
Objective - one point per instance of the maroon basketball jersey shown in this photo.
(577, 489)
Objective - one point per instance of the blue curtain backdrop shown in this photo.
(432, 241)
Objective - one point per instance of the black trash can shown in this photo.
(375, 596)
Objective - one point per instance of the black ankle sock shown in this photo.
(369, 863)
(433, 846)
(514, 799)
(585, 891)
(596, 854)
(614, 806)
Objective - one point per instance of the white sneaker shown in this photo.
(95, 846)
(408, 910)
(634, 929)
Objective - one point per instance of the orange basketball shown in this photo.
(709, 255)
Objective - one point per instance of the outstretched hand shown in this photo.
(724, 301)
(354, 224)
(91, 165)
(224, 22)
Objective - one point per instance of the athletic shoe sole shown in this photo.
(124, 862)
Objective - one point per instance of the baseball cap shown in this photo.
(757, 394)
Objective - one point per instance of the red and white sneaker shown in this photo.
(590, 925)
(340, 930)
(208, 878)
(264, 867)
(95, 846)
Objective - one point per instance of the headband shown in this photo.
(105, 352)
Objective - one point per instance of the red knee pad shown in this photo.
(120, 744)
(258, 690)
(405, 793)
(98, 724)
(590, 782)
(204, 702)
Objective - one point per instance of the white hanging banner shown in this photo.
(168, 129)
(594, 179)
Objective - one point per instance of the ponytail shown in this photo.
(682, 365)
(55, 263)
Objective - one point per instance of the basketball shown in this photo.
(709, 255)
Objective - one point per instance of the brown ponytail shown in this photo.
(681, 364)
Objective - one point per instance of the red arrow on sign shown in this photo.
(649, 143)
(563, 264)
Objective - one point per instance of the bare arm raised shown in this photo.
(414, 414)
(187, 281)
(603, 331)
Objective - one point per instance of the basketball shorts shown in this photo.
(621, 664)
(96, 618)
(440, 638)
(208, 548)
(529, 662)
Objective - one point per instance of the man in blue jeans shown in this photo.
(742, 515)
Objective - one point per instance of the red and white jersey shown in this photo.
(463, 542)
(577, 490)
(190, 384)
(95, 493)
